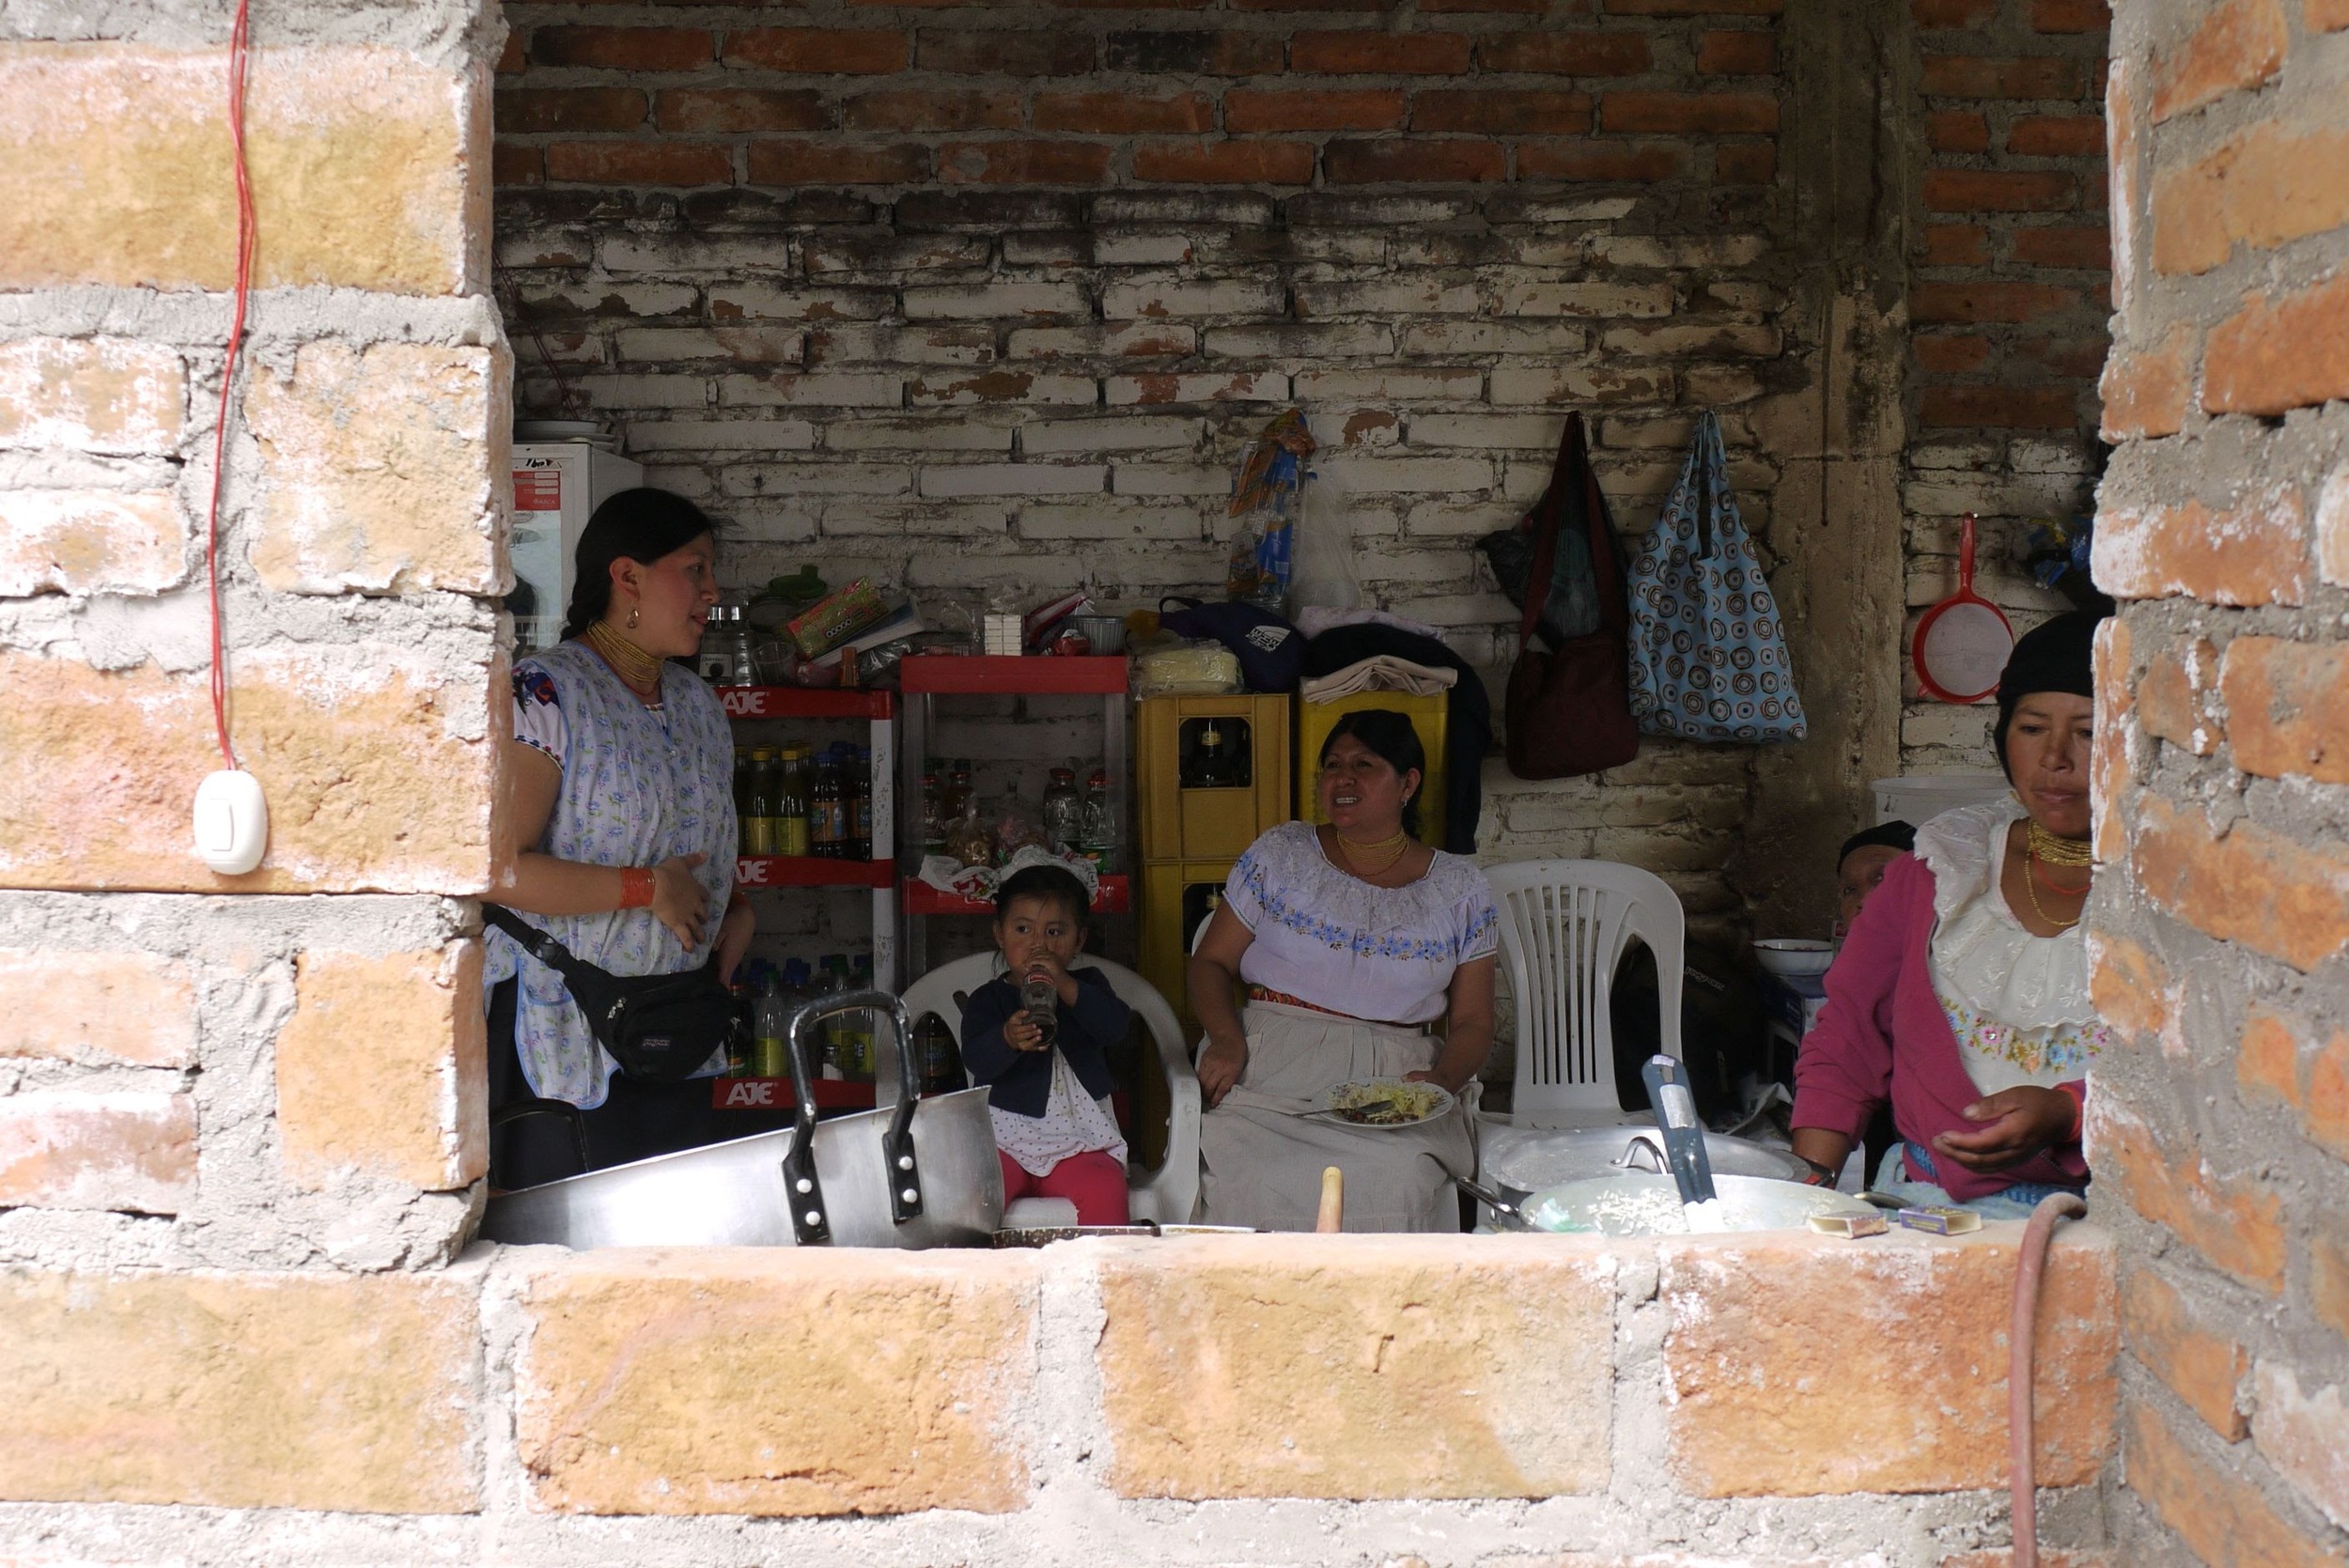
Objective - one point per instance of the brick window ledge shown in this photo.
(783, 1383)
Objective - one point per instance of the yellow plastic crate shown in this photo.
(1430, 716)
(1174, 898)
(1179, 824)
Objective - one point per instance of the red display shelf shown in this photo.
(775, 1094)
(806, 701)
(970, 675)
(1114, 897)
(811, 870)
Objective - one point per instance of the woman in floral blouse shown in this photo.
(620, 768)
(1351, 939)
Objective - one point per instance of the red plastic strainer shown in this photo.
(1962, 644)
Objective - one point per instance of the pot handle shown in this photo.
(898, 1157)
(810, 1224)
(905, 1174)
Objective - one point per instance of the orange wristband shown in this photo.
(636, 886)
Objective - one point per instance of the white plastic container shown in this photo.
(1917, 798)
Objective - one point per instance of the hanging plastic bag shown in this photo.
(1708, 654)
(1265, 498)
(1327, 577)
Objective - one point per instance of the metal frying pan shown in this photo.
(1962, 644)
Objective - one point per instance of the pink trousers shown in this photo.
(1092, 1181)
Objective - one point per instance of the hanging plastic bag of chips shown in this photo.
(1265, 499)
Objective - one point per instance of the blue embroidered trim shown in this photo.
(1361, 945)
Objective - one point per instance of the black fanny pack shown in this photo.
(660, 1028)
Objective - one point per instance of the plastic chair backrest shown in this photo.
(1564, 925)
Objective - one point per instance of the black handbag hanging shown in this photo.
(660, 1028)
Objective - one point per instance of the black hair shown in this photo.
(1889, 835)
(641, 525)
(1393, 738)
(2058, 656)
(1047, 884)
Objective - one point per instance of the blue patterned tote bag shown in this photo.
(1708, 657)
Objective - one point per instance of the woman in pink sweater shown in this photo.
(1961, 995)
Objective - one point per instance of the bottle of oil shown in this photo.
(791, 818)
(757, 819)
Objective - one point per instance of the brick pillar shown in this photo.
(225, 1104)
(2218, 1127)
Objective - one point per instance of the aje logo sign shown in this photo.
(751, 1093)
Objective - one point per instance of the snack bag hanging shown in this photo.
(1708, 657)
(1265, 498)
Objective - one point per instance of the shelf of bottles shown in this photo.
(1102, 795)
(812, 821)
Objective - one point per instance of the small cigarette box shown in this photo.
(1937, 1221)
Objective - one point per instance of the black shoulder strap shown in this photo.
(534, 941)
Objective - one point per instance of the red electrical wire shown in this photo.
(237, 51)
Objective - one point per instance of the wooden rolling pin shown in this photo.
(1333, 1217)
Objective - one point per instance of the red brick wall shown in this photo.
(2007, 295)
(2220, 1124)
(964, 293)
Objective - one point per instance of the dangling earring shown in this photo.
(631, 620)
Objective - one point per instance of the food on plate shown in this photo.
(1387, 1103)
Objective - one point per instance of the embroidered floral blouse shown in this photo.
(2018, 1003)
(1328, 938)
(639, 784)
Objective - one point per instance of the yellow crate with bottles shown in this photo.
(1211, 772)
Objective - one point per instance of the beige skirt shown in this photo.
(1262, 1156)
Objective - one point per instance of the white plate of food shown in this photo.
(1386, 1102)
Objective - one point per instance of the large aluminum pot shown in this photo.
(1645, 1205)
(1531, 1158)
(920, 1173)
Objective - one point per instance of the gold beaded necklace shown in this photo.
(1394, 849)
(2046, 848)
(640, 669)
(2055, 849)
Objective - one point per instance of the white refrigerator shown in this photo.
(557, 487)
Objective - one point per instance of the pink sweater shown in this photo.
(1883, 1036)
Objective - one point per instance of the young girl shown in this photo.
(1050, 1096)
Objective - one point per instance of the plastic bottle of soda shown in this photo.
(934, 816)
(824, 809)
(861, 804)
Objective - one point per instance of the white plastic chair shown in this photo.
(1564, 925)
(1166, 1195)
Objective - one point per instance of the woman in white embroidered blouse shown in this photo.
(621, 807)
(1961, 996)
(1350, 938)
